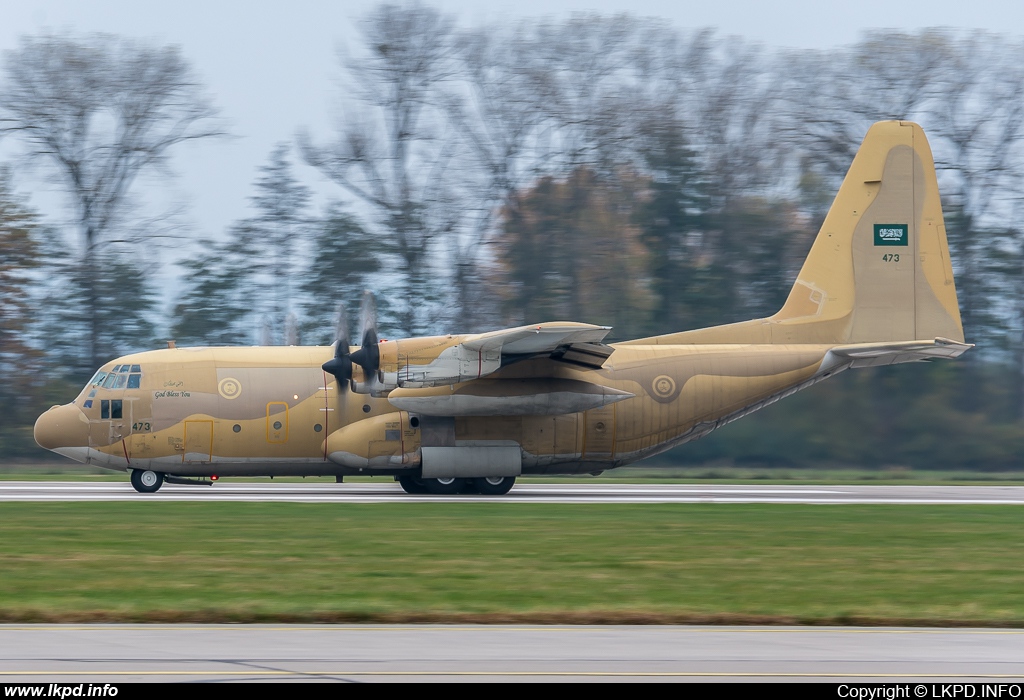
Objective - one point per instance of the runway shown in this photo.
(124, 653)
(390, 492)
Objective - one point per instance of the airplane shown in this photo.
(473, 412)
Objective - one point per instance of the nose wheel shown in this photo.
(146, 481)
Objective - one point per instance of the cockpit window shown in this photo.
(119, 377)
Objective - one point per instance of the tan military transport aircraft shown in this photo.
(473, 412)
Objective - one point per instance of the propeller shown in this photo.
(367, 356)
(341, 364)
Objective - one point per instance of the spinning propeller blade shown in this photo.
(367, 356)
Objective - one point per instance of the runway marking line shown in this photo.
(680, 674)
(427, 627)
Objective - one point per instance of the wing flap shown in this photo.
(591, 355)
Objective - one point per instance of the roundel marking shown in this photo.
(229, 388)
(663, 386)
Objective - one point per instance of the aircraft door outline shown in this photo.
(277, 422)
(198, 443)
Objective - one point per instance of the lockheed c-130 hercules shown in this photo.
(473, 412)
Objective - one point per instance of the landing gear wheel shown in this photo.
(412, 485)
(444, 487)
(147, 481)
(494, 485)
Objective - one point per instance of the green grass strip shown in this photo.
(501, 562)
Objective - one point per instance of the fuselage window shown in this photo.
(115, 408)
(104, 409)
(134, 380)
(124, 369)
(136, 368)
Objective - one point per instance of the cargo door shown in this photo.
(198, 441)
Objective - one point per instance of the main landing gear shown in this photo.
(146, 481)
(487, 486)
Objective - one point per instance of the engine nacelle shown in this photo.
(388, 441)
(434, 361)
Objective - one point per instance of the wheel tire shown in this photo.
(412, 485)
(444, 487)
(146, 481)
(494, 485)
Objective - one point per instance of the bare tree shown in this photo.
(498, 117)
(545, 99)
(834, 96)
(393, 155)
(98, 111)
(276, 235)
(978, 119)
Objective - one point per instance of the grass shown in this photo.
(512, 562)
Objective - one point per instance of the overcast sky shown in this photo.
(272, 66)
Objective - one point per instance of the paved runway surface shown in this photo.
(387, 491)
(111, 653)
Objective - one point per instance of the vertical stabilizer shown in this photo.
(879, 269)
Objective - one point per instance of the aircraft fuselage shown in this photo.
(270, 410)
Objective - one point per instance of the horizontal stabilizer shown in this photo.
(878, 354)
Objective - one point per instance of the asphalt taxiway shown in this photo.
(388, 491)
(122, 653)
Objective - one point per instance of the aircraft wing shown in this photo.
(877, 354)
(472, 357)
(454, 381)
(544, 338)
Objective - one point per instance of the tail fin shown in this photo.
(879, 269)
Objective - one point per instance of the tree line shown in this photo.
(609, 169)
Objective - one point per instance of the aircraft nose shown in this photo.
(62, 426)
